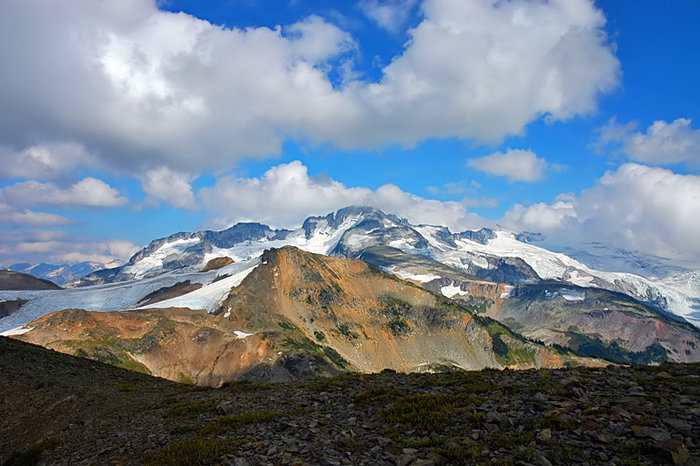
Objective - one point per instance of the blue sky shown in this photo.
(124, 121)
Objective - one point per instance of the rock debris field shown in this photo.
(57, 409)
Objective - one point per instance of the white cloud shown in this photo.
(37, 248)
(143, 88)
(44, 161)
(88, 192)
(164, 185)
(663, 143)
(316, 41)
(108, 253)
(12, 216)
(286, 194)
(515, 164)
(388, 14)
(635, 207)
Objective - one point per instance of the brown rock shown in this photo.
(675, 451)
(217, 263)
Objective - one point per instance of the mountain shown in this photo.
(541, 294)
(295, 315)
(61, 274)
(495, 255)
(10, 280)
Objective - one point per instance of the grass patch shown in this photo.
(187, 410)
(197, 450)
(32, 455)
(227, 423)
(378, 395)
(433, 412)
(465, 453)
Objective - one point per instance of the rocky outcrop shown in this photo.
(216, 263)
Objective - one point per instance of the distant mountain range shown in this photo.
(537, 296)
(394, 244)
(59, 274)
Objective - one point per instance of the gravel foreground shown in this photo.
(56, 409)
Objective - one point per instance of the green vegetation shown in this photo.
(319, 336)
(555, 422)
(197, 450)
(433, 412)
(476, 304)
(288, 326)
(187, 410)
(344, 330)
(239, 386)
(186, 379)
(585, 345)
(305, 344)
(399, 327)
(465, 453)
(380, 395)
(107, 351)
(32, 455)
(224, 424)
(394, 307)
(515, 352)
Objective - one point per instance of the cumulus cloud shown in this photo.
(143, 88)
(388, 14)
(88, 192)
(514, 164)
(286, 194)
(164, 185)
(663, 143)
(43, 161)
(634, 207)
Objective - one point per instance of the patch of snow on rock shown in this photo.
(16, 331)
(451, 290)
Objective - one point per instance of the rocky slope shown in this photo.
(298, 314)
(57, 409)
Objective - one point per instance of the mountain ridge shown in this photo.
(496, 255)
(295, 315)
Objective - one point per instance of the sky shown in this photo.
(122, 121)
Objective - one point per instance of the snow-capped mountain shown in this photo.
(60, 274)
(542, 294)
(367, 233)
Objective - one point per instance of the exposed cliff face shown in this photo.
(298, 314)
